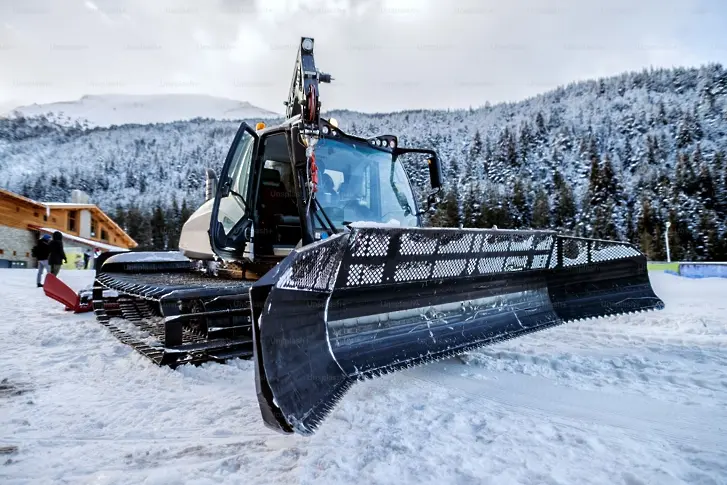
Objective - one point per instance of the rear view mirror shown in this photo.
(435, 167)
(435, 172)
(435, 175)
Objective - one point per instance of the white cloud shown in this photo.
(384, 54)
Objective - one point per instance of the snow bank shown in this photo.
(630, 400)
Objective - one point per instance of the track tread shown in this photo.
(140, 293)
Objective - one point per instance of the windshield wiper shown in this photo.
(400, 198)
(328, 220)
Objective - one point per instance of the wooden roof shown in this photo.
(93, 208)
(71, 206)
(13, 195)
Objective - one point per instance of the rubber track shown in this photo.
(138, 290)
(158, 354)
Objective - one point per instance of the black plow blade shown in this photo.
(377, 300)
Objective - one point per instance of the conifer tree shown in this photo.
(185, 213)
(120, 217)
(476, 147)
(138, 227)
(719, 170)
(706, 188)
(174, 227)
(471, 207)
(520, 209)
(447, 212)
(630, 229)
(158, 228)
(541, 211)
(676, 249)
(564, 206)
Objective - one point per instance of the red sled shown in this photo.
(62, 293)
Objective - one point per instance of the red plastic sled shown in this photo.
(62, 293)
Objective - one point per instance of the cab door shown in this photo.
(231, 222)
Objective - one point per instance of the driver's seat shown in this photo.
(278, 220)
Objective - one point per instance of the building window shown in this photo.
(93, 227)
(45, 217)
(54, 220)
(27, 255)
(2, 251)
(35, 214)
(104, 235)
(72, 220)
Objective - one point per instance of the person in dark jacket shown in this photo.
(41, 252)
(57, 254)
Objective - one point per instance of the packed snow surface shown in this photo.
(121, 109)
(636, 399)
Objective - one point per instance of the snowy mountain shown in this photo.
(614, 157)
(121, 109)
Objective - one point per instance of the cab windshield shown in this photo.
(359, 183)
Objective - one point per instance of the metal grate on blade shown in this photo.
(495, 243)
(416, 254)
(455, 244)
(370, 256)
(575, 252)
(580, 251)
(605, 251)
(491, 265)
(365, 274)
(554, 256)
(517, 263)
(417, 243)
(412, 271)
(545, 244)
(369, 244)
(316, 267)
(449, 268)
(539, 261)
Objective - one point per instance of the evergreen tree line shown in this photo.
(615, 157)
(693, 201)
(155, 228)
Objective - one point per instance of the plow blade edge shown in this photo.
(377, 300)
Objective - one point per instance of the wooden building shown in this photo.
(84, 227)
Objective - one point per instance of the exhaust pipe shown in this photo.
(210, 186)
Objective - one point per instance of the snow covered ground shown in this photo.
(630, 400)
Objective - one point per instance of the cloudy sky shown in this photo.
(384, 54)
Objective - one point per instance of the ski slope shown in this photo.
(120, 109)
(638, 399)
